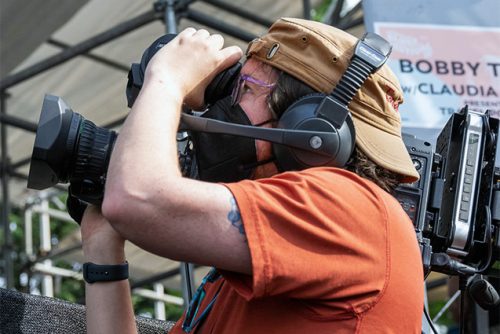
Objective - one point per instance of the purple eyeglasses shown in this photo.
(238, 88)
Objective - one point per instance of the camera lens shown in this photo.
(69, 148)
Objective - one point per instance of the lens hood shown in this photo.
(55, 140)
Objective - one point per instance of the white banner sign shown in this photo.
(443, 68)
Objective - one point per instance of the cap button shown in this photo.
(272, 51)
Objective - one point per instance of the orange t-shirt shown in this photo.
(331, 253)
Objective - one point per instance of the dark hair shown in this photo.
(287, 90)
(364, 167)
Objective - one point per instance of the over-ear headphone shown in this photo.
(316, 130)
(329, 113)
(308, 114)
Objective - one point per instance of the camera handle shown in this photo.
(480, 291)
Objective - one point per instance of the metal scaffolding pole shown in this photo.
(45, 247)
(28, 234)
(18, 122)
(99, 59)
(219, 25)
(332, 15)
(170, 20)
(80, 48)
(240, 12)
(8, 267)
(306, 4)
(159, 304)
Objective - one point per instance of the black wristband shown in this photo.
(103, 273)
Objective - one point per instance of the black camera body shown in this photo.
(455, 205)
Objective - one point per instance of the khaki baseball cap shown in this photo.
(318, 55)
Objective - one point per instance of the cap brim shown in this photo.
(386, 150)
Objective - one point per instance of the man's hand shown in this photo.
(189, 62)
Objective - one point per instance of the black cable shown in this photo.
(427, 316)
(189, 287)
(462, 315)
(463, 282)
(488, 240)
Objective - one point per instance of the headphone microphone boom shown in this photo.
(323, 146)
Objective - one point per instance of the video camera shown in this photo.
(455, 205)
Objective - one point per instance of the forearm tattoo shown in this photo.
(234, 217)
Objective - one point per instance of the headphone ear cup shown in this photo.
(303, 115)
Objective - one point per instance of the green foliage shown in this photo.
(71, 290)
(319, 12)
(174, 312)
(447, 318)
(145, 307)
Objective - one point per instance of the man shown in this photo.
(315, 251)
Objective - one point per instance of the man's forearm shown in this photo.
(145, 156)
(150, 128)
(109, 308)
(108, 304)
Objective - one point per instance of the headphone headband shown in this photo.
(370, 53)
